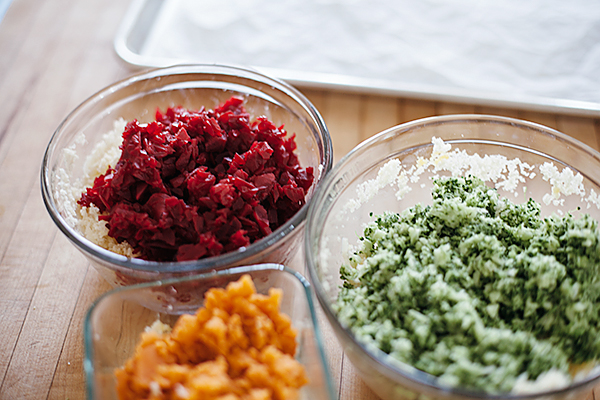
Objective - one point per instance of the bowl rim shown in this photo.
(379, 357)
(88, 361)
(225, 259)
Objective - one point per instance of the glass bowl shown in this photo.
(190, 86)
(115, 321)
(341, 208)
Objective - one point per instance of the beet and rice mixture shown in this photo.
(196, 184)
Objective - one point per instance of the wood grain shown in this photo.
(343, 117)
(380, 113)
(455, 108)
(46, 324)
(411, 110)
(55, 55)
(67, 382)
(21, 272)
(583, 130)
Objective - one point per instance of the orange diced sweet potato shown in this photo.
(238, 346)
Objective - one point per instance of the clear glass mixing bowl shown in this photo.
(190, 86)
(337, 219)
(115, 321)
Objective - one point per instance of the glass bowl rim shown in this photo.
(382, 359)
(88, 362)
(229, 258)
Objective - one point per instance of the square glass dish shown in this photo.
(115, 321)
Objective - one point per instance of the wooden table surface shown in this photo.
(53, 55)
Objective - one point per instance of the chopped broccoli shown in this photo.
(475, 289)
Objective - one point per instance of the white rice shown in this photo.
(105, 154)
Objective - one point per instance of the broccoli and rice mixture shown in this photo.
(480, 292)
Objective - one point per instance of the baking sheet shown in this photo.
(541, 54)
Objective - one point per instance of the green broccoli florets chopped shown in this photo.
(475, 289)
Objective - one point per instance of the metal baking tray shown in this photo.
(142, 16)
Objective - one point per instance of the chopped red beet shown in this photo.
(195, 184)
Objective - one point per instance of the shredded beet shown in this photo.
(196, 184)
